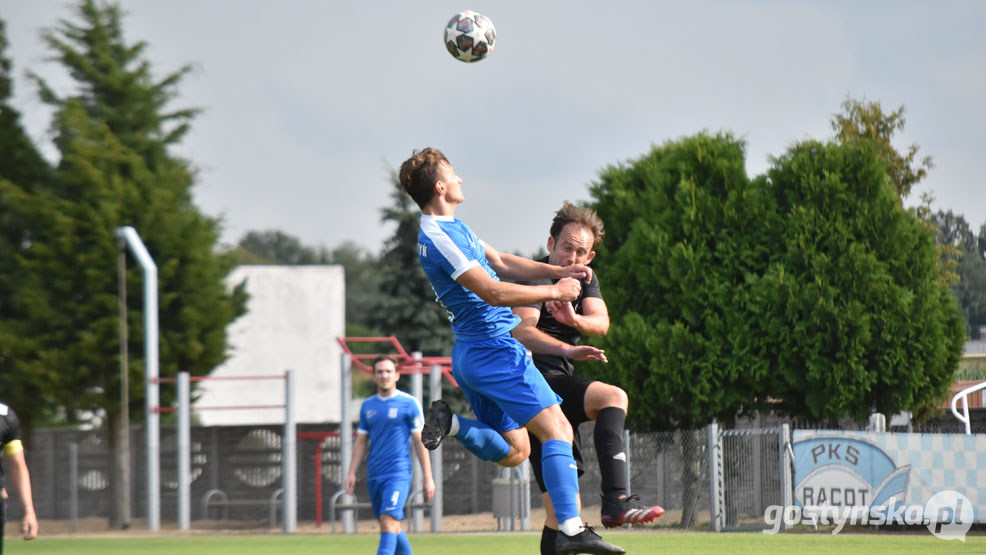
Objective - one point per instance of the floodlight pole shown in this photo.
(129, 234)
(121, 459)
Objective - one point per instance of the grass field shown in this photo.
(636, 543)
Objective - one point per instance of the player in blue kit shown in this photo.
(390, 422)
(505, 390)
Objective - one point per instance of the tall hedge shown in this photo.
(808, 291)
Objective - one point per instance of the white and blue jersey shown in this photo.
(492, 368)
(389, 422)
(447, 248)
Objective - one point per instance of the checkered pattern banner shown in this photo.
(869, 461)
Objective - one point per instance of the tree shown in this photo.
(22, 170)
(20, 161)
(682, 239)
(809, 291)
(407, 306)
(966, 254)
(859, 315)
(865, 121)
(970, 290)
(278, 247)
(116, 169)
(954, 230)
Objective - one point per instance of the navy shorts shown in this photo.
(501, 382)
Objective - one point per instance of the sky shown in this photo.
(308, 105)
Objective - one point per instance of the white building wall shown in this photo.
(294, 315)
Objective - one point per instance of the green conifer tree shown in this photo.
(117, 168)
(22, 171)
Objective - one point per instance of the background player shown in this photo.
(20, 479)
(552, 331)
(502, 385)
(390, 422)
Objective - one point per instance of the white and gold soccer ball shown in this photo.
(469, 36)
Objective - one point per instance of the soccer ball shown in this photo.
(469, 36)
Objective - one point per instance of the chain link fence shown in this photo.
(236, 475)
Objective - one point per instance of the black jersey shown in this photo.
(10, 432)
(550, 364)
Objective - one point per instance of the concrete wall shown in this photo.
(294, 315)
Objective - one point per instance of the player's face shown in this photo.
(385, 376)
(452, 182)
(574, 246)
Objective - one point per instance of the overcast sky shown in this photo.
(309, 104)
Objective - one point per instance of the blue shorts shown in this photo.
(388, 494)
(501, 382)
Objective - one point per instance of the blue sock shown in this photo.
(483, 441)
(561, 477)
(403, 546)
(388, 543)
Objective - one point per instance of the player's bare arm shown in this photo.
(425, 460)
(20, 478)
(539, 342)
(593, 321)
(359, 449)
(502, 293)
(510, 266)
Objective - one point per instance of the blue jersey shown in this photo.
(447, 248)
(389, 423)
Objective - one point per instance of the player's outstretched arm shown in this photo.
(502, 293)
(359, 449)
(425, 459)
(594, 319)
(510, 266)
(20, 478)
(539, 342)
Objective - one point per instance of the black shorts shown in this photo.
(572, 390)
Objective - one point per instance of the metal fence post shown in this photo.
(290, 468)
(184, 453)
(437, 507)
(417, 481)
(73, 485)
(346, 432)
(525, 495)
(787, 488)
(715, 475)
(626, 453)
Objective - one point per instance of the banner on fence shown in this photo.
(860, 469)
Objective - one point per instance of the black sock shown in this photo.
(609, 448)
(548, 541)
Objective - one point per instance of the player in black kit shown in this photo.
(13, 452)
(552, 331)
